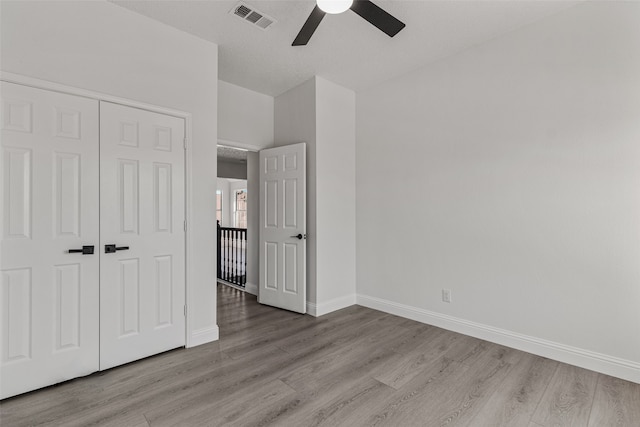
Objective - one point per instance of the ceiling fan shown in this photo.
(365, 8)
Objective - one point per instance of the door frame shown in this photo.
(188, 160)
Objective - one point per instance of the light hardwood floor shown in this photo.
(354, 367)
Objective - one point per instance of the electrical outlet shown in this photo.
(446, 295)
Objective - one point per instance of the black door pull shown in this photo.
(110, 249)
(86, 250)
(300, 236)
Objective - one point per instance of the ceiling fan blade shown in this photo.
(309, 27)
(378, 17)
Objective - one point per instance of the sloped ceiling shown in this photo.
(345, 49)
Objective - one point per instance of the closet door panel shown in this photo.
(49, 182)
(142, 214)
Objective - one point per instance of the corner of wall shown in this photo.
(335, 195)
(203, 336)
(326, 307)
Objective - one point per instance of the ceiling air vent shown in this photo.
(252, 16)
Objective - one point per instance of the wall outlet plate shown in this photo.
(446, 295)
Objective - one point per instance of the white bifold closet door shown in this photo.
(49, 182)
(142, 276)
(92, 257)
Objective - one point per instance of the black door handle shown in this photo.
(110, 249)
(300, 236)
(86, 250)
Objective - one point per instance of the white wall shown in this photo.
(322, 114)
(335, 196)
(517, 164)
(232, 169)
(102, 47)
(253, 222)
(245, 117)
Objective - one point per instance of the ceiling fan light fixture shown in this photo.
(334, 6)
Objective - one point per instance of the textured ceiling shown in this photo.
(231, 154)
(345, 49)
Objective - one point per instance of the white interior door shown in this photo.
(283, 227)
(49, 182)
(142, 278)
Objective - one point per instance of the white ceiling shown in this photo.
(345, 48)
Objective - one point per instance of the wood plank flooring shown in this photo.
(354, 367)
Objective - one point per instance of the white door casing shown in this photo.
(142, 207)
(282, 281)
(49, 182)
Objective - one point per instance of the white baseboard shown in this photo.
(248, 287)
(203, 336)
(251, 288)
(625, 369)
(317, 310)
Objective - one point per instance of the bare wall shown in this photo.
(232, 169)
(244, 116)
(516, 166)
(336, 195)
(253, 221)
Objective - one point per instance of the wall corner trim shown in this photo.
(203, 336)
(312, 309)
(251, 288)
(609, 365)
(320, 309)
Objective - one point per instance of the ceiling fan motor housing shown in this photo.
(372, 13)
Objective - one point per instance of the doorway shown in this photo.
(236, 214)
(231, 215)
(273, 207)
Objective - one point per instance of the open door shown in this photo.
(283, 245)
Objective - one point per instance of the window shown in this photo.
(219, 206)
(240, 216)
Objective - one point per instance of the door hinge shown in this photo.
(185, 225)
(185, 143)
